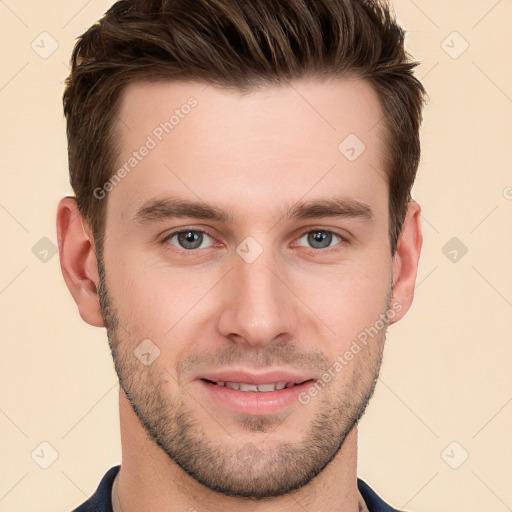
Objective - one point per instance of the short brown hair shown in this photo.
(238, 44)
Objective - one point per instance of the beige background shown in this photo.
(446, 374)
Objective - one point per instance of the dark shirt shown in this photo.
(101, 500)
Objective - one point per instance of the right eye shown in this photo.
(187, 239)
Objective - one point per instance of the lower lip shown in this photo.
(255, 402)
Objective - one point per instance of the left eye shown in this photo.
(320, 239)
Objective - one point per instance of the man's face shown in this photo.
(260, 291)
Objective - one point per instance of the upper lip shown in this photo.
(255, 378)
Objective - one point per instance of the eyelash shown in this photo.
(343, 239)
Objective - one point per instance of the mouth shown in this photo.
(258, 388)
(254, 399)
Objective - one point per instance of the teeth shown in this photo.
(267, 387)
(262, 388)
(248, 387)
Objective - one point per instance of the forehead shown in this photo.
(333, 107)
(279, 142)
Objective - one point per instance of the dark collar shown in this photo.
(101, 501)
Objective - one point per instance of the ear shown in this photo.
(405, 261)
(78, 260)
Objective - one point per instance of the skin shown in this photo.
(296, 306)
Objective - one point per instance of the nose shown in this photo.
(257, 305)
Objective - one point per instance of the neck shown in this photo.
(149, 480)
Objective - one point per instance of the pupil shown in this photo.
(188, 238)
(320, 236)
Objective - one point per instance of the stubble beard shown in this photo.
(255, 470)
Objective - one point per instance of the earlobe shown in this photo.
(406, 259)
(78, 260)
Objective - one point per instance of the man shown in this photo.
(243, 228)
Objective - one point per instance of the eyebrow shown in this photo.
(156, 210)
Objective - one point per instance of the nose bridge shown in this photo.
(258, 305)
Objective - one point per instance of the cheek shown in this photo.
(350, 300)
(155, 301)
